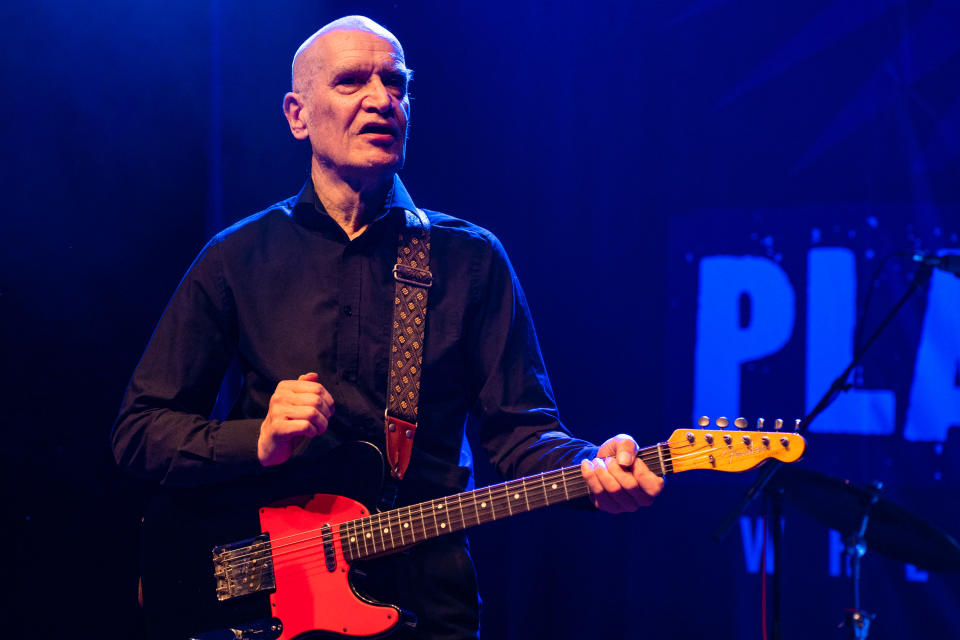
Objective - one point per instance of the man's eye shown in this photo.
(396, 83)
(348, 81)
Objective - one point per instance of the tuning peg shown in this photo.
(722, 422)
(740, 423)
(796, 424)
(759, 424)
(778, 424)
(703, 421)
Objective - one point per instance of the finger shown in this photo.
(650, 483)
(588, 471)
(612, 489)
(322, 391)
(612, 446)
(300, 386)
(626, 450)
(286, 429)
(623, 476)
(311, 414)
(320, 402)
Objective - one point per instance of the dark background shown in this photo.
(596, 140)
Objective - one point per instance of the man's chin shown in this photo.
(388, 162)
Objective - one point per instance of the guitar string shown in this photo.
(496, 494)
(545, 477)
(497, 491)
(283, 559)
(647, 454)
(361, 525)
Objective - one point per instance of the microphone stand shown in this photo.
(771, 467)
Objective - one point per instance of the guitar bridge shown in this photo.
(244, 567)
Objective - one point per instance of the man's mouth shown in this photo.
(378, 129)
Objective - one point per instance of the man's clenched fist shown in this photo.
(298, 409)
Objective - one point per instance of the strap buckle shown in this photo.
(412, 275)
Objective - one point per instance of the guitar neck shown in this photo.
(389, 531)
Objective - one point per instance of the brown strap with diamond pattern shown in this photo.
(413, 280)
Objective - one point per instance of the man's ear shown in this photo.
(293, 110)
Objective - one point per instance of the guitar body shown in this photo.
(309, 596)
(181, 528)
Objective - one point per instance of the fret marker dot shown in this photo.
(443, 525)
(553, 486)
(483, 504)
(439, 506)
(386, 530)
(516, 496)
(353, 538)
(368, 535)
(406, 525)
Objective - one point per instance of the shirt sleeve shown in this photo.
(520, 427)
(163, 432)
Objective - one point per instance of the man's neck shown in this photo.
(353, 204)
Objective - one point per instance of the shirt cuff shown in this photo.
(235, 443)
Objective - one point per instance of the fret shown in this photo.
(493, 511)
(463, 520)
(352, 539)
(407, 526)
(361, 536)
(400, 526)
(423, 522)
(433, 513)
(371, 533)
(653, 464)
(344, 538)
(523, 486)
(368, 534)
(543, 486)
(506, 492)
(476, 511)
(389, 527)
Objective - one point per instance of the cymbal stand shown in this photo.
(839, 385)
(855, 546)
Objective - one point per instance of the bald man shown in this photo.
(299, 296)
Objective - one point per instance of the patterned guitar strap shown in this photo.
(412, 280)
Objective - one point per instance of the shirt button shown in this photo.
(348, 310)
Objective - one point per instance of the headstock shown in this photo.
(721, 449)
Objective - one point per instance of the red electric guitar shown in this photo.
(291, 578)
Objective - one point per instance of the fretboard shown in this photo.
(389, 531)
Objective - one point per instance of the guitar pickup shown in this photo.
(244, 567)
(329, 555)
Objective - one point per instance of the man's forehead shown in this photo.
(351, 46)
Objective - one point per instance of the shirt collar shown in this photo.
(309, 211)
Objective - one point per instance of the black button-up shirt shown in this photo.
(285, 292)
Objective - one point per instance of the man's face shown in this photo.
(355, 102)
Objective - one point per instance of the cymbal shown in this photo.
(891, 530)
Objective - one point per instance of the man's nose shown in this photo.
(377, 97)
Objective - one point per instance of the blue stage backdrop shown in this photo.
(709, 203)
